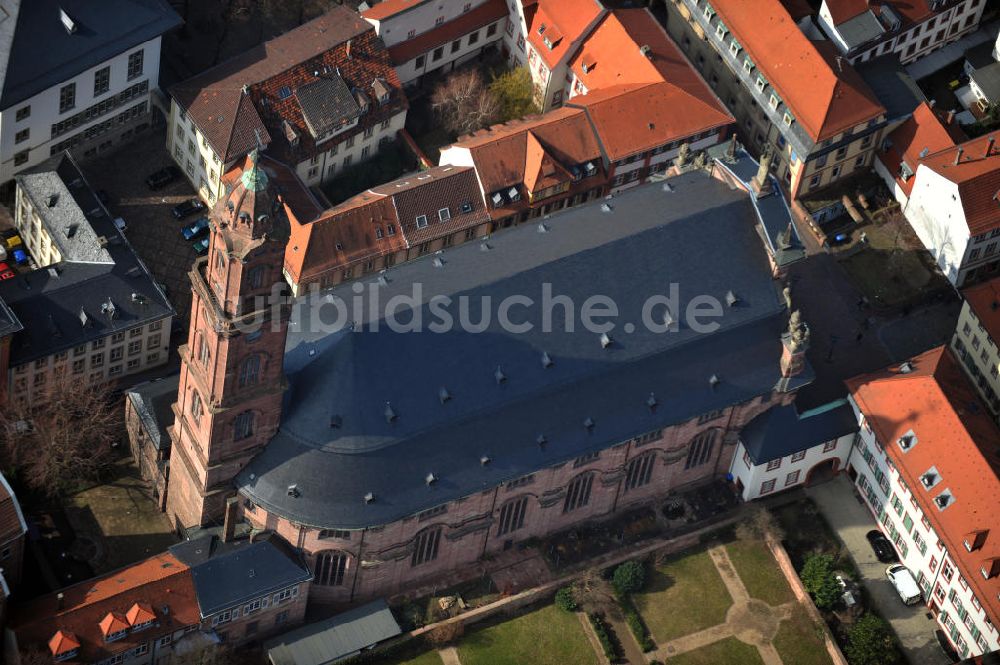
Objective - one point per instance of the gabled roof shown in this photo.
(335, 638)
(784, 431)
(327, 103)
(954, 433)
(984, 300)
(95, 608)
(926, 132)
(977, 174)
(643, 91)
(541, 171)
(63, 642)
(140, 613)
(558, 25)
(825, 98)
(38, 52)
(382, 388)
(254, 92)
(388, 8)
(486, 13)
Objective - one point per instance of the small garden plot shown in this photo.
(759, 571)
(729, 651)
(548, 636)
(800, 641)
(682, 596)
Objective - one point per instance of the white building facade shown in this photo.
(754, 480)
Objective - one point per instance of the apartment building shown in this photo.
(77, 76)
(926, 466)
(320, 97)
(864, 30)
(178, 606)
(429, 36)
(413, 216)
(783, 448)
(791, 94)
(975, 340)
(92, 312)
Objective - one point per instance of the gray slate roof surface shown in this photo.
(327, 103)
(227, 574)
(895, 88)
(860, 29)
(48, 301)
(781, 431)
(988, 80)
(701, 236)
(339, 636)
(152, 401)
(41, 53)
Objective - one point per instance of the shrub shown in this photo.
(565, 599)
(445, 633)
(869, 642)
(629, 577)
(638, 629)
(603, 632)
(818, 579)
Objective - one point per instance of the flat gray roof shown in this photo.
(336, 638)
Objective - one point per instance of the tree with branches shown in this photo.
(464, 103)
(65, 435)
(515, 92)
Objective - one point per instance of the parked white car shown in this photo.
(906, 586)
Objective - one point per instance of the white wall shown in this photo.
(329, 164)
(45, 108)
(420, 19)
(409, 71)
(753, 476)
(936, 215)
(886, 173)
(193, 155)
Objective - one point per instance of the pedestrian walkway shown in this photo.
(449, 656)
(952, 52)
(851, 520)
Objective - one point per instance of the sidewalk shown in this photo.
(851, 520)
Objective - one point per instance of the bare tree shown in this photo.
(463, 103)
(445, 634)
(63, 436)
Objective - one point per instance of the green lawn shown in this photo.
(759, 571)
(429, 658)
(800, 641)
(729, 651)
(548, 636)
(683, 596)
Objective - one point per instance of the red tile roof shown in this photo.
(387, 8)
(92, 609)
(925, 132)
(984, 300)
(63, 642)
(140, 613)
(823, 98)
(978, 178)
(955, 435)
(910, 11)
(228, 117)
(564, 23)
(474, 19)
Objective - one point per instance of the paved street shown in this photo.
(851, 519)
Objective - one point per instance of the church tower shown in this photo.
(231, 383)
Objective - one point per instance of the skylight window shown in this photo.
(444, 214)
(421, 221)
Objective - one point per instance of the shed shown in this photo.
(335, 639)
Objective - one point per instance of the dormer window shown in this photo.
(734, 47)
(907, 441)
(787, 119)
(720, 30)
(444, 214)
(421, 221)
(116, 636)
(773, 101)
(541, 29)
(747, 65)
(378, 232)
(761, 84)
(709, 12)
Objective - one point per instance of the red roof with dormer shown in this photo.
(62, 643)
(933, 401)
(925, 132)
(557, 25)
(975, 167)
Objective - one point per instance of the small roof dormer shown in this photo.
(140, 614)
(113, 626)
(64, 645)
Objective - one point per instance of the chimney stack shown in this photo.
(989, 146)
(60, 598)
(950, 118)
(348, 49)
(229, 525)
(958, 156)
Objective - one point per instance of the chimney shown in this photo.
(229, 525)
(348, 49)
(950, 117)
(989, 146)
(958, 156)
(840, 63)
(59, 601)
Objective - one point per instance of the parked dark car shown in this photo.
(195, 229)
(881, 546)
(187, 208)
(163, 177)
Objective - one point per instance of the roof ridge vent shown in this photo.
(714, 380)
(606, 340)
(443, 395)
(430, 479)
(499, 375)
(541, 440)
(651, 402)
(588, 423)
(547, 360)
(390, 415)
(731, 298)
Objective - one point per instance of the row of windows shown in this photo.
(94, 131)
(471, 39)
(99, 109)
(102, 77)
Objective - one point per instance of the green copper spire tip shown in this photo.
(254, 179)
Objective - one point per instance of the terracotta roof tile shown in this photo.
(63, 642)
(823, 98)
(564, 23)
(977, 175)
(922, 134)
(230, 118)
(483, 15)
(955, 435)
(140, 613)
(909, 11)
(92, 609)
(386, 8)
(984, 300)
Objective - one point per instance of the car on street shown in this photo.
(195, 228)
(20, 256)
(187, 208)
(6, 272)
(904, 583)
(201, 246)
(163, 177)
(883, 549)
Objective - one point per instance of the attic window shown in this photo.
(391, 229)
(444, 214)
(761, 84)
(340, 247)
(720, 30)
(734, 47)
(773, 102)
(67, 22)
(285, 92)
(421, 221)
(541, 29)
(466, 207)
(907, 441)
(787, 119)
(747, 65)
(378, 232)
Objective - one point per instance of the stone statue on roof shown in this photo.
(798, 331)
(700, 160)
(682, 156)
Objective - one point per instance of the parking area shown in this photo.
(152, 229)
(914, 625)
